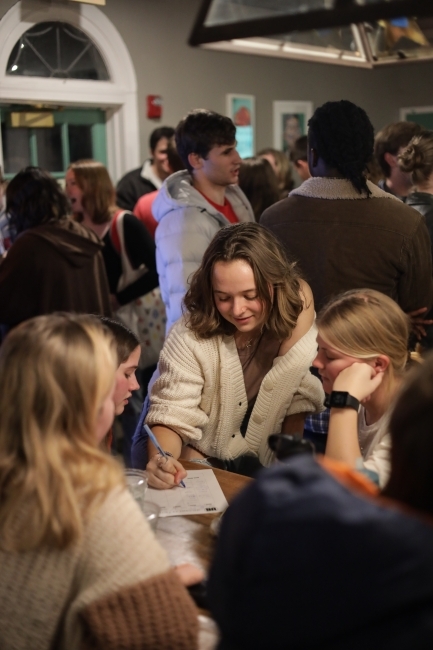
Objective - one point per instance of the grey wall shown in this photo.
(156, 33)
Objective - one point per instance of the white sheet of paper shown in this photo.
(202, 495)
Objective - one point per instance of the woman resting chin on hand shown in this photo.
(235, 369)
(362, 354)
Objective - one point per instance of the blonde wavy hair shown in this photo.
(364, 323)
(99, 195)
(55, 372)
(260, 249)
(417, 158)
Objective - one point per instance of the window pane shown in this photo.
(399, 38)
(80, 142)
(55, 49)
(49, 148)
(16, 149)
(224, 12)
(340, 38)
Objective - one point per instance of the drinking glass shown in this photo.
(136, 480)
(151, 512)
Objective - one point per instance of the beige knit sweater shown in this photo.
(113, 590)
(200, 393)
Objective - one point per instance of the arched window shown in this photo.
(73, 57)
(56, 49)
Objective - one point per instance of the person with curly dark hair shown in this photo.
(54, 264)
(344, 231)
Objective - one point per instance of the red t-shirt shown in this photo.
(225, 209)
(143, 210)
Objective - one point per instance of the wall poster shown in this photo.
(241, 109)
(290, 122)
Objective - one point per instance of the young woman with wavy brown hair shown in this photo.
(235, 368)
(79, 565)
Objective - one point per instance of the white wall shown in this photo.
(156, 33)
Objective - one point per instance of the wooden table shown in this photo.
(187, 538)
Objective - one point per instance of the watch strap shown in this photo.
(341, 399)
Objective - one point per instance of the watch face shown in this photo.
(339, 398)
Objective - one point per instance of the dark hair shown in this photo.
(411, 428)
(299, 149)
(126, 341)
(33, 197)
(261, 250)
(391, 138)
(343, 136)
(258, 182)
(417, 158)
(174, 160)
(199, 131)
(158, 134)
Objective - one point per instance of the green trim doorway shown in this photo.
(76, 134)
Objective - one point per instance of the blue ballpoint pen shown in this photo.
(156, 444)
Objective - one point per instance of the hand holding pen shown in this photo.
(164, 462)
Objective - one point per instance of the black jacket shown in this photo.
(131, 187)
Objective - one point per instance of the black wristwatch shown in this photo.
(340, 399)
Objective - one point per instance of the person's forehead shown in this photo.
(162, 142)
(221, 147)
(324, 344)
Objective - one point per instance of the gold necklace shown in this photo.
(247, 344)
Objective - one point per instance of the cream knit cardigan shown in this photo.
(201, 395)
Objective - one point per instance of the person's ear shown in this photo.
(390, 159)
(381, 363)
(313, 158)
(195, 160)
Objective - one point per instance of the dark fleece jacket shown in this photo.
(304, 562)
(53, 267)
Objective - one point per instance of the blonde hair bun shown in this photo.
(417, 158)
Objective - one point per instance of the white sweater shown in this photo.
(114, 589)
(201, 395)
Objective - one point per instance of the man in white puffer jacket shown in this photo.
(193, 205)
